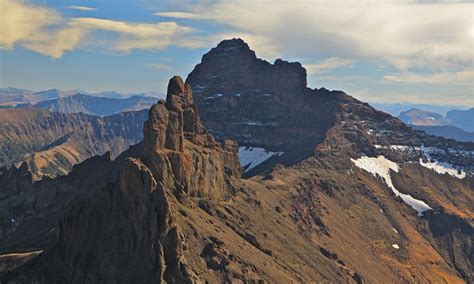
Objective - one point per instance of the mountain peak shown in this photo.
(232, 65)
(171, 121)
(234, 43)
(231, 48)
(179, 94)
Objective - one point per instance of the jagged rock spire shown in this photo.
(171, 120)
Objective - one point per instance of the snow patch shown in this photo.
(429, 153)
(214, 97)
(400, 147)
(253, 123)
(444, 168)
(250, 157)
(395, 246)
(382, 166)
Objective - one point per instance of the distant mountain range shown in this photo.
(52, 143)
(396, 108)
(447, 131)
(12, 97)
(457, 124)
(420, 117)
(462, 118)
(100, 106)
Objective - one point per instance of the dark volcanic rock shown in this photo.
(257, 103)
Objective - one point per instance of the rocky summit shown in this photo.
(260, 104)
(339, 192)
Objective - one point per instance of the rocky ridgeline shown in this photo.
(257, 103)
(52, 143)
(260, 104)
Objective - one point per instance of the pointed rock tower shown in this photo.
(182, 154)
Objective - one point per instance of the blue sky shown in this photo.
(398, 51)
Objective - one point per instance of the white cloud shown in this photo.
(57, 43)
(35, 28)
(45, 31)
(452, 97)
(135, 29)
(160, 66)
(461, 77)
(182, 15)
(140, 35)
(405, 34)
(81, 8)
(328, 64)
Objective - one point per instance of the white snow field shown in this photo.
(381, 166)
(250, 157)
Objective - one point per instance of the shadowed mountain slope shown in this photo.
(51, 143)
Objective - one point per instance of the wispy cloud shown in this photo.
(132, 35)
(159, 66)
(130, 28)
(405, 33)
(182, 15)
(328, 64)
(47, 32)
(81, 8)
(37, 28)
(454, 97)
(461, 77)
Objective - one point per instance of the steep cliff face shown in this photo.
(260, 104)
(182, 148)
(51, 143)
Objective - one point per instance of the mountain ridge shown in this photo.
(100, 106)
(51, 143)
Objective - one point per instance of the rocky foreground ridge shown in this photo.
(357, 207)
